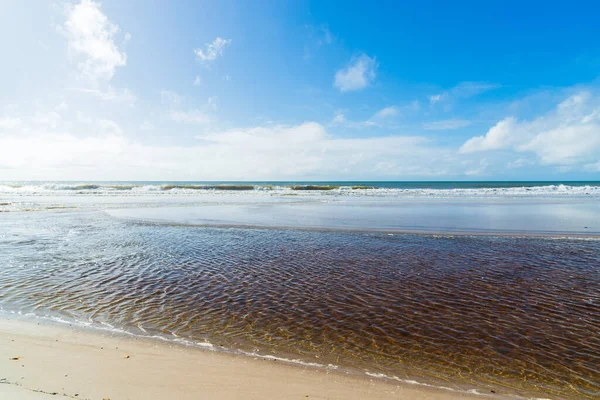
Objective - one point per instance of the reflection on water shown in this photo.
(545, 216)
(516, 315)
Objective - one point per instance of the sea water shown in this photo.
(467, 286)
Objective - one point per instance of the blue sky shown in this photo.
(159, 90)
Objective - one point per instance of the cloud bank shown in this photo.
(568, 135)
(278, 152)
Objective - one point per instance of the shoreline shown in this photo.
(415, 232)
(367, 230)
(86, 364)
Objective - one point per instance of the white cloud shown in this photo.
(435, 98)
(59, 155)
(213, 50)
(177, 110)
(463, 90)
(83, 118)
(592, 167)
(147, 126)
(9, 123)
(91, 126)
(212, 103)
(339, 118)
(566, 145)
(43, 45)
(91, 43)
(358, 74)
(274, 152)
(47, 119)
(519, 163)
(500, 136)
(307, 150)
(568, 135)
(479, 170)
(170, 97)
(110, 127)
(447, 124)
(387, 112)
(197, 81)
(190, 117)
(378, 119)
(123, 96)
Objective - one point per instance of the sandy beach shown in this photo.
(42, 361)
(299, 200)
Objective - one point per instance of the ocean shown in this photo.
(470, 286)
(380, 187)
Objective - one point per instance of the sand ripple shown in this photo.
(522, 315)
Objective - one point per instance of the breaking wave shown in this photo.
(400, 189)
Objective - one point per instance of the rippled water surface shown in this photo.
(514, 315)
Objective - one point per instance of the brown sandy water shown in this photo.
(514, 315)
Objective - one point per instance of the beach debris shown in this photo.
(126, 355)
(15, 358)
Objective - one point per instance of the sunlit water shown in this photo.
(575, 217)
(514, 315)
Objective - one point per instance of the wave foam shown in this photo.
(106, 327)
(125, 189)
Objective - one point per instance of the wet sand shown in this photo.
(68, 362)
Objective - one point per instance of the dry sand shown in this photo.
(55, 361)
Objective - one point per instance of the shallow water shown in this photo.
(514, 315)
(500, 216)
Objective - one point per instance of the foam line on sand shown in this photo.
(40, 361)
